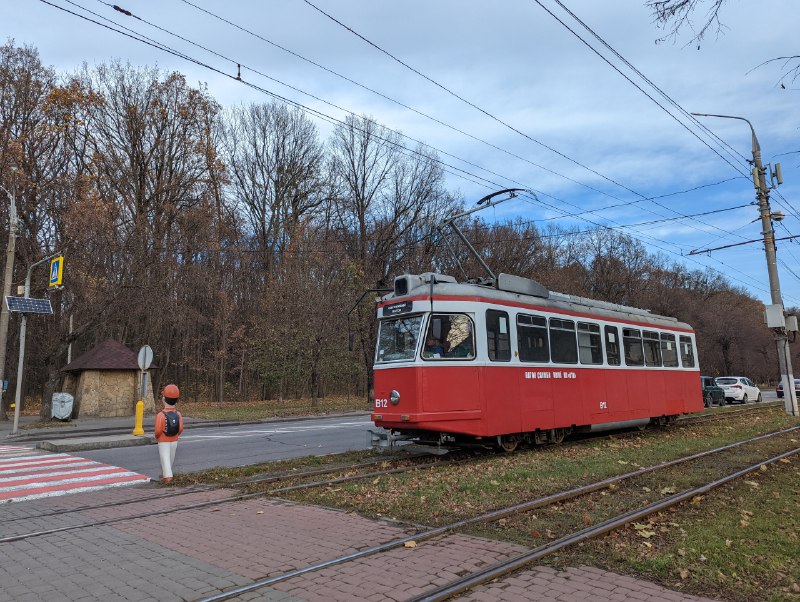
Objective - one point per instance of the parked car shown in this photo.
(712, 393)
(779, 388)
(739, 388)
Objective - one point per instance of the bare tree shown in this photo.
(675, 16)
(275, 160)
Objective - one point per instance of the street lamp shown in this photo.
(778, 327)
(9, 275)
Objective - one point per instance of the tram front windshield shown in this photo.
(397, 339)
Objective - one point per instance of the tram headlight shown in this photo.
(394, 397)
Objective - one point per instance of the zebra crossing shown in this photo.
(26, 474)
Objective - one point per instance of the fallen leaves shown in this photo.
(643, 530)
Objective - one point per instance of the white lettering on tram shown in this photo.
(529, 375)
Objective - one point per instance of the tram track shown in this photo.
(473, 455)
(467, 582)
(547, 500)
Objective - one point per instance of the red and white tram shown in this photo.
(467, 363)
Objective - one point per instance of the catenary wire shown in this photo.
(652, 199)
(436, 120)
(328, 119)
(637, 86)
(507, 125)
(647, 80)
(318, 114)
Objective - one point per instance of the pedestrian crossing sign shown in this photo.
(56, 270)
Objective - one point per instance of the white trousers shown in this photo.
(166, 452)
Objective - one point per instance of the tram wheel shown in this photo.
(557, 435)
(507, 443)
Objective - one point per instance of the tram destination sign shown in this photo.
(395, 309)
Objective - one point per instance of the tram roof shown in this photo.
(514, 289)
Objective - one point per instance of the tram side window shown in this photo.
(632, 343)
(589, 348)
(563, 345)
(687, 352)
(449, 337)
(669, 350)
(498, 336)
(532, 339)
(652, 349)
(612, 346)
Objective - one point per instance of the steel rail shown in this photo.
(485, 517)
(172, 494)
(498, 570)
(244, 496)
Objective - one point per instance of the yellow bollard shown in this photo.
(137, 429)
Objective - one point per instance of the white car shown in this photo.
(739, 388)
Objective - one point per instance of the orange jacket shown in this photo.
(161, 422)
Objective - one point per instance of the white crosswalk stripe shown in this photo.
(27, 475)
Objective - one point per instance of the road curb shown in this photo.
(86, 443)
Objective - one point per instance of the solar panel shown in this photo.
(26, 305)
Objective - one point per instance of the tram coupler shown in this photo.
(384, 440)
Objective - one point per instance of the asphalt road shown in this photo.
(204, 448)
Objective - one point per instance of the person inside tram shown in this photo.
(433, 347)
(459, 339)
(462, 350)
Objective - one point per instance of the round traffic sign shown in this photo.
(145, 357)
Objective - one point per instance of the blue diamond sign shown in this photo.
(56, 270)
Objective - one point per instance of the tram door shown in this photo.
(499, 387)
(450, 379)
(616, 405)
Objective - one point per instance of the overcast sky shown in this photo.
(548, 114)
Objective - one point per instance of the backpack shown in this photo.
(172, 423)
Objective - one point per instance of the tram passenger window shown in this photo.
(669, 350)
(652, 349)
(589, 347)
(687, 352)
(632, 343)
(532, 339)
(612, 346)
(563, 346)
(497, 336)
(459, 342)
(449, 337)
(433, 347)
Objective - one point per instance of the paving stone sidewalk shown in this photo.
(192, 554)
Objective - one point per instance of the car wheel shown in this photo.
(744, 398)
(708, 401)
(758, 399)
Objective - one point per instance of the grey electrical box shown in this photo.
(61, 407)
(774, 316)
(791, 323)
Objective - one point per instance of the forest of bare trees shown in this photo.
(235, 242)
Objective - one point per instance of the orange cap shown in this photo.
(171, 391)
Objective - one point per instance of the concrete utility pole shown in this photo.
(778, 325)
(9, 275)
